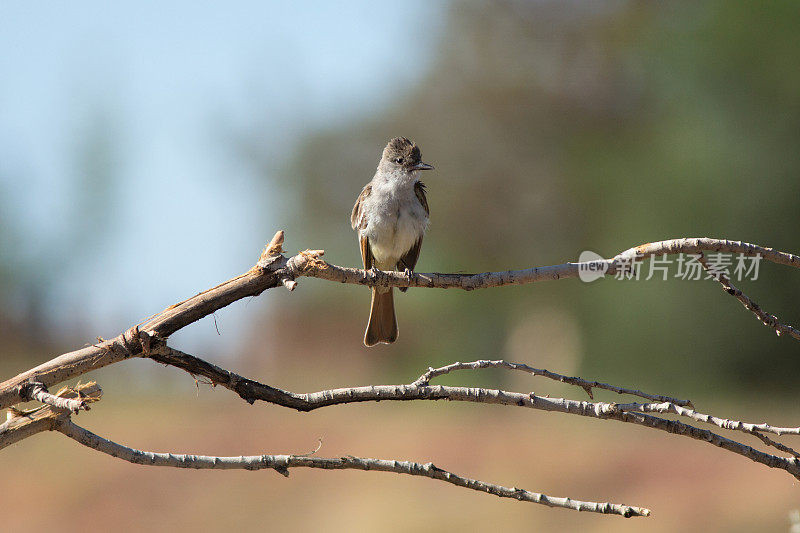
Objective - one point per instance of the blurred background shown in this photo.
(150, 151)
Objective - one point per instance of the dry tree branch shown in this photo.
(22, 424)
(282, 464)
(724, 423)
(49, 417)
(273, 269)
(148, 339)
(633, 413)
(425, 378)
(251, 390)
(35, 391)
(769, 320)
(732, 425)
(320, 269)
(668, 405)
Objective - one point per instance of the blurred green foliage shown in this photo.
(33, 264)
(557, 128)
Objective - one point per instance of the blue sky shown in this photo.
(168, 81)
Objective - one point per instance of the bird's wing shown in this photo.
(366, 251)
(409, 260)
(419, 190)
(357, 217)
(358, 222)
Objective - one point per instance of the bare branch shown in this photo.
(724, 423)
(33, 390)
(282, 464)
(769, 320)
(425, 379)
(320, 269)
(248, 389)
(704, 244)
(777, 445)
(23, 424)
(733, 425)
(148, 339)
(251, 391)
(273, 269)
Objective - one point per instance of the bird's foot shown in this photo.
(407, 273)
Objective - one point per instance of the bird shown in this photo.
(391, 216)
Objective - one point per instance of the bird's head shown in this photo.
(402, 154)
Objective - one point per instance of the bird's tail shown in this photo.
(382, 325)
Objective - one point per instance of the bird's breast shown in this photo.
(395, 222)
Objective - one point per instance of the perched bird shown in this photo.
(391, 216)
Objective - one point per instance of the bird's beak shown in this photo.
(423, 166)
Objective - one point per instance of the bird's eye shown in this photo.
(399, 160)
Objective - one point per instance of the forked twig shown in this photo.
(425, 379)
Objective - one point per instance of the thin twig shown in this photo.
(282, 464)
(24, 424)
(768, 319)
(724, 423)
(38, 392)
(425, 379)
(777, 445)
